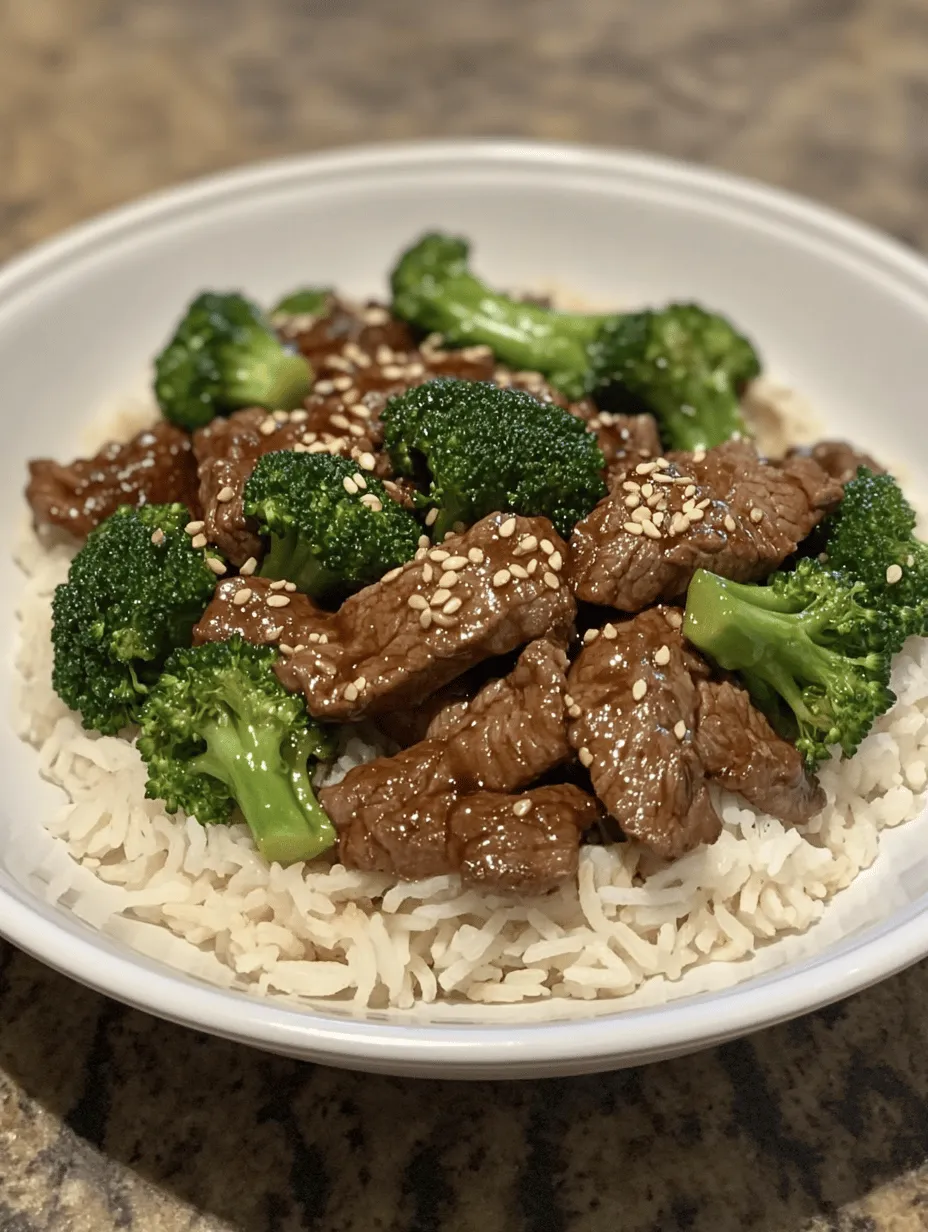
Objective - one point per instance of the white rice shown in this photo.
(201, 898)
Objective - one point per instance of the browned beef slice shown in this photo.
(838, 459)
(446, 804)
(240, 606)
(726, 510)
(742, 752)
(481, 594)
(357, 370)
(634, 707)
(155, 467)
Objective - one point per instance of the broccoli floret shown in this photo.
(134, 592)
(872, 538)
(687, 365)
(224, 355)
(307, 301)
(332, 528)
(489, 449)
(809, 646)
(220, 730)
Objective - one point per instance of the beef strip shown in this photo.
(837, 459)
(741, 751)
(633, 704)
(726, 510)
(155, 467)
(447, 803)
(357, 369)
(421, 625)
(252, 618)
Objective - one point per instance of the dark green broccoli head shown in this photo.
(219, 730)
(872, 537)
(307, 301)
(810, 647)
(433, 288)
(488, 450)
(134, 592)
(687, 365)
(332, 528)
(224, 355)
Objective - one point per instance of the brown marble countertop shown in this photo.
(110, 1119)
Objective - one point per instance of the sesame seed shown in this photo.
(323, 387)
(632, 502)
(590, 636)
(394, 573)
(424, 541)
(298, 647)
(438, 554)
(451, 606)
(278, 585)
(679, 524)
(341, 383)
(242, 596)
(521, 807)
(651, 530)
(501, 577)
(448, 579)
(699, 455)
(697, 515)
(574, 711)
(198, 541)
(568, 700)
(647, 489)
(894, 574)
(351, 693)
(456, 562)
(290, 586)
(338, 421)
(642, 514)
(360, 684)
(658, 519)
(285, 648)
(629, 485)
(674, 619)
(639, 688)
(427, 572)
(355, 429)
(645, 468)
(633, 528)
(679, 729)
(609, 631)
(224, 494)
(350, 486)
(193, 528)
(586, 757)
(281, 416)
(383, 354)
(323, 639)
(546, 546)
(657, 501)
(475, 555)
(910, 561)
(372, 502)
(417, 602)
(249, 567)
(517, 571)
(431, 517)
(528, 543)
(367, 462)
(440, 596)
(551, 580)
(662, 478)
(267, 427)
(338, 362)
(425, 619)
(704, 504)
(730, 523)
(216, 565)
(359, 480)
(507, 528)
(375, 316)
(392, 372)
(555, 560)
(278, 600)
(299, 416)
(272, 634)
(757, 515)
(157, 537)
(662, 656)
(532, 566)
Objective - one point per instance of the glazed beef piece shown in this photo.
(742, 753)
(481, 594)
(726, 510)
(156, 467)
(448, 804)
(633, 704)
(357, 369)
(837, 459)
(253, 608)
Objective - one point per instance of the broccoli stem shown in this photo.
(717, 421)
(271, 787)
(288, 558)
(271, 377)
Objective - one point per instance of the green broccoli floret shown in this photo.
(332, 528)
(307, 301)
(224, 355)
(488, 450)
(220, 730)
(687, 365)
(134, 592)
(809, 646)
(872, 538)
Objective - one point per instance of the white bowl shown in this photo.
(840, 313)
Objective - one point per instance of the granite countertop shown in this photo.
(110, 1119)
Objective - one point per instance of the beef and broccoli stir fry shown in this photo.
(536, 553)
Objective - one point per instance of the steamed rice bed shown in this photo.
(202, 899)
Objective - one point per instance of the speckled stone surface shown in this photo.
(109, 1119)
